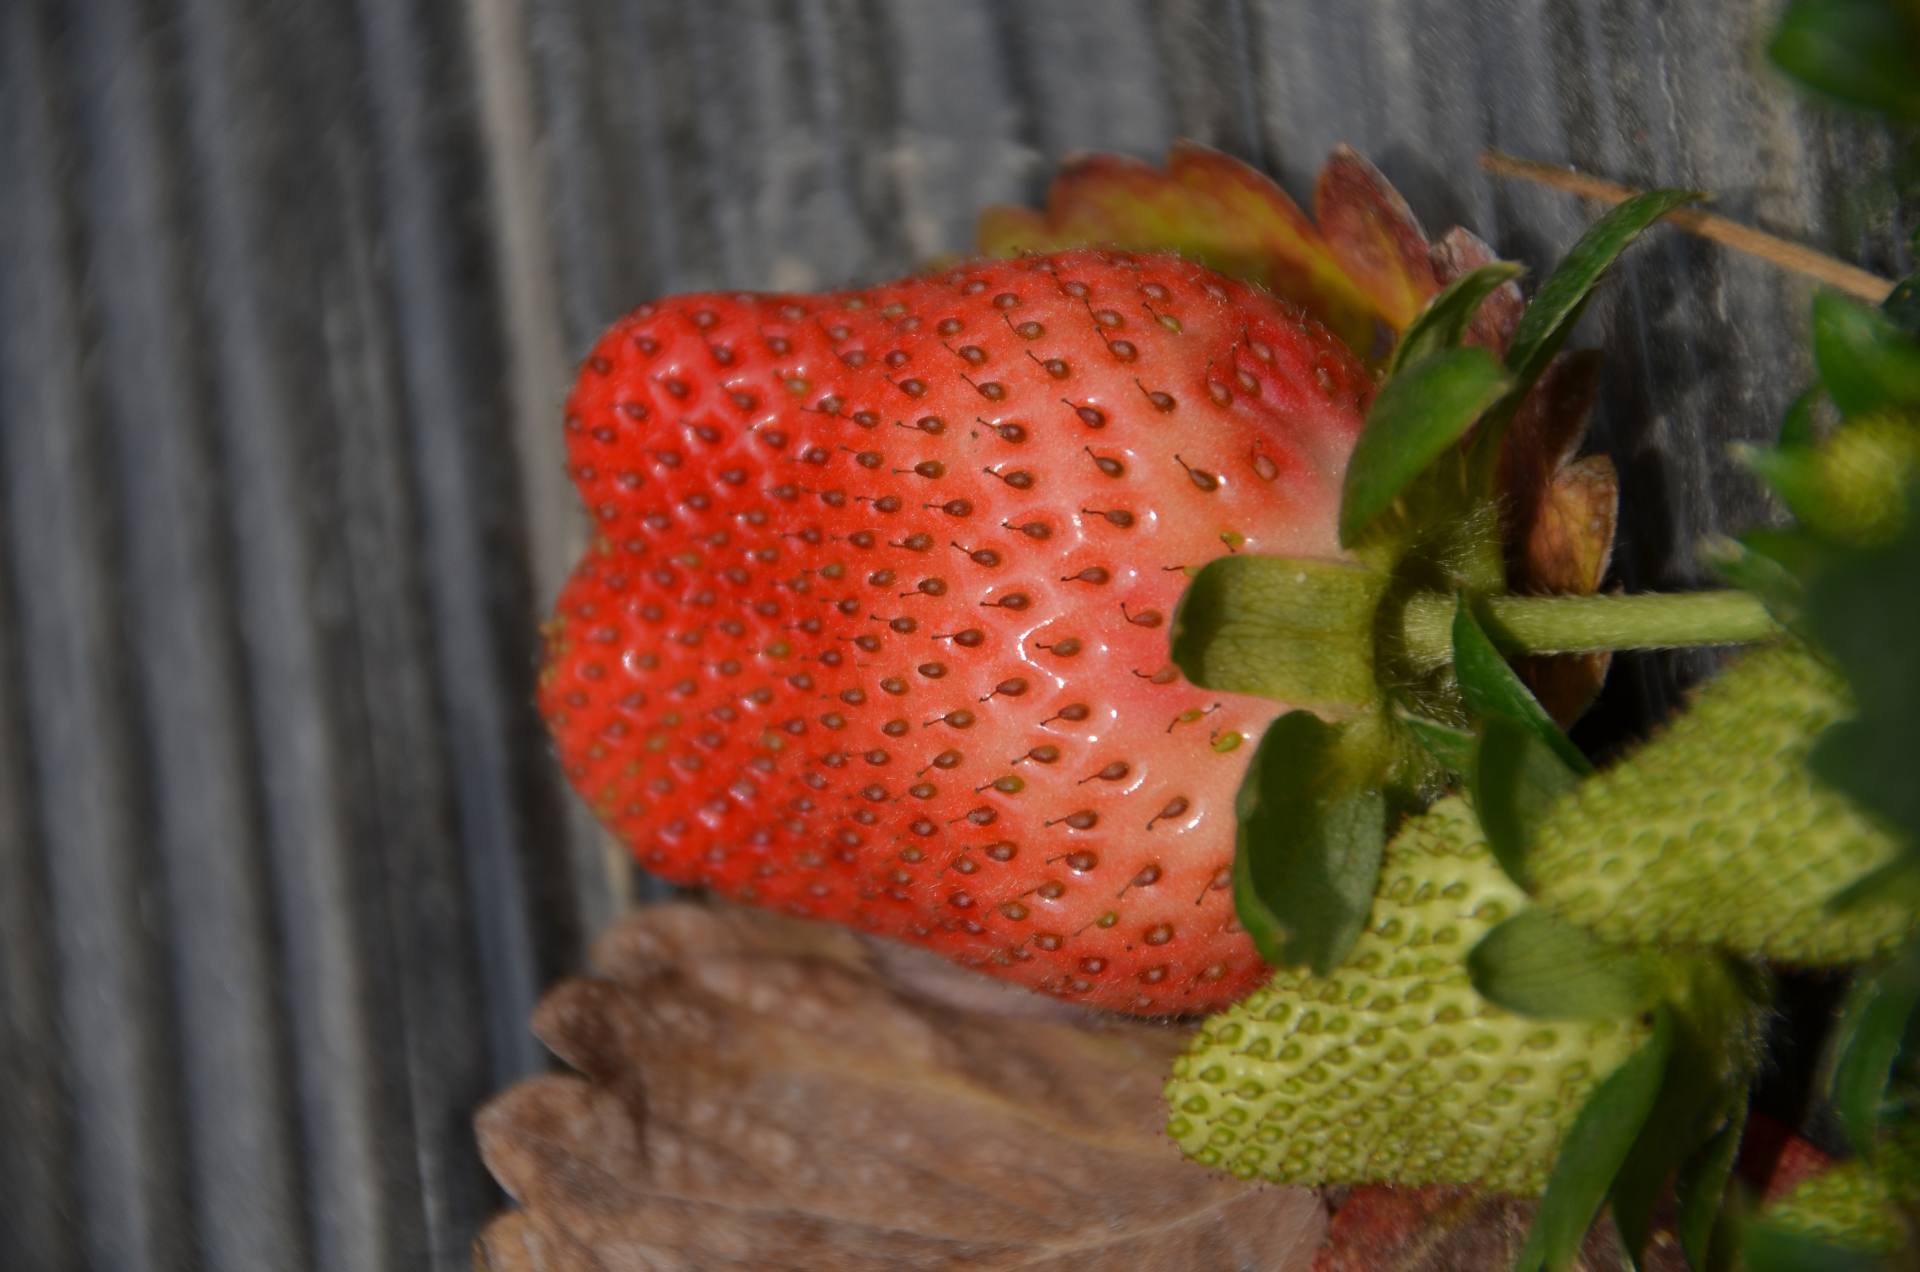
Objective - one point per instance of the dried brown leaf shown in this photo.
(755, 1093)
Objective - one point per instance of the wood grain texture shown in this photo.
(288, 296)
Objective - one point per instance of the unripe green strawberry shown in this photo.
(1393, 1069)
(1855, 1204)
(1715, 833)
(1851, 486)
(1863, 471)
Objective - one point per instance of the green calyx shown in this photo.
(1717, 834)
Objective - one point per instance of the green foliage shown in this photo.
(1313, 821)
(1443, 323)
(1594, 1150)
(1862, 53)
(1536, 965)
(1419, 415)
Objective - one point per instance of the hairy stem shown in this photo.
(1590, 624)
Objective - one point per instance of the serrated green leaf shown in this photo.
(1491, 688)
(1536, 965)
(1864, 53)
(1861, 606)
(1595, 1148)
(1866, 361)
(1874, 1019)
(1516, 776)
(1444, 321)
(1451, 745)
(1557, 306)
(1295, 631)
(1416, 417)
(1313, 822)
(1701, 1187)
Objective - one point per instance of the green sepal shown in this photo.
(1801, 424)
(1866, 361)
(1295, 631)
(1863, 53)
(1492, 688)
(1854, 603)
(1717, 1009)
(1555, 310)
(1875, 1018)
(1536, 965)
(1313, 821)
(1443, 323)
(1418, 415)
(1557, 306)
(1516, 776)
(1449, 744)
(1766, 1248)
(1902, 305)
(1700, 1191)
(1757, 562)
(1593, 1151)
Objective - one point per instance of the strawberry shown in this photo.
(1716, 833)
(1394, 1069)
(873, 628)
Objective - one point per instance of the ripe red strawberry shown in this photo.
(874, 627)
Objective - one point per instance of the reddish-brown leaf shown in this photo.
(1204, 205)
(1373, 234)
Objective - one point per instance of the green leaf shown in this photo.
(1701, 1186)
(1557, 306)
(1536, 965)
(1801, 425)
(1417, 416)
(1444, 321)
(1861, 607)
(1863, 53)
(1450, 745)
(1874, 1018)
(1753, 563)
(1595, 1148)
(1492, 688)
(1698, 1099)
(1866, 361)
(1765, 1248)
(1296, 631)
(1515, 779)
(1313, 822)
(1902, 305)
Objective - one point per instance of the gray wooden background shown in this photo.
(289, 293)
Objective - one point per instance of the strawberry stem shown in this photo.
(1590, 624)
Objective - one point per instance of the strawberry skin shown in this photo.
(874, 624)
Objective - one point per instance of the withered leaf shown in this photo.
(754, 1092)
(1560, 514)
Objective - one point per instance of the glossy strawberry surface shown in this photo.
(874, 623)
